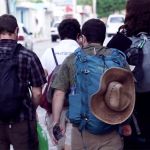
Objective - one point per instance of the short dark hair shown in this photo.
(137, 17)
(8, 23)
(69, 28)
(94, 30)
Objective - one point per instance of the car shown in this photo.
(113, 23)
(54, 31)
(25, 37)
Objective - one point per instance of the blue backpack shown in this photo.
(88, 71)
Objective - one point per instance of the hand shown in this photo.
(126, 130)
(56, 133)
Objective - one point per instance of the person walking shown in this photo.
(72, 76)
(21, 80)
(137, 28)
(69, 31)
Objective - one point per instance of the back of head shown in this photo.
(8, 24)
(69, 29)
(94, 30)
(137, 16)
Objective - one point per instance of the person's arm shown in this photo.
(36, 95)
(57, 105)
(61, 85)
(36, 79)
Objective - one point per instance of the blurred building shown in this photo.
(36, 17)
(8, 6)
(3, 7)
(71, 9)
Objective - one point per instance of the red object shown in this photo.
(20, 38)
(46, 98)
(69, 8)
(44, 101)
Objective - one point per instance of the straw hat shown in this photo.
(114, 101)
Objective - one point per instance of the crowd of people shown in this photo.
(107, 102)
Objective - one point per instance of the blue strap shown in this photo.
(81, 58)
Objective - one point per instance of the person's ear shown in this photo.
(16, 30)
(84, 41)
(79, 39)
(16, 33)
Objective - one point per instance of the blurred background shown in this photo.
(39, 19)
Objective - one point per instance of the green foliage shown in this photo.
(36, 1)
(84, 2)
(106, 7)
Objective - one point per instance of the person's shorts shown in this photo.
(68, 134)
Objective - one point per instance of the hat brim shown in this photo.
(98, 105)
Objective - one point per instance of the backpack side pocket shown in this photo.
(75, 107)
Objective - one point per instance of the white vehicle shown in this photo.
(54, 31)
(25, 37)
(114, 21)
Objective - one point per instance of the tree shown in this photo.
(84, 2)
(36, 1)
(106, 7)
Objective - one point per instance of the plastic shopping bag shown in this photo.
(42, 137)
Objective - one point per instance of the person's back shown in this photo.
(74, 75)
(68, 30)
(20, 130)
(137, 25)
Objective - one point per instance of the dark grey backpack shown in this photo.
(10, 90)
(138, 55)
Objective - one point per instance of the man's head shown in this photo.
(8, 26)
(69, 29)
(94, 30)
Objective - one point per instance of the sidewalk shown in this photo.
(41, 39)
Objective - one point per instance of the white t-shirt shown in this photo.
(62, 50)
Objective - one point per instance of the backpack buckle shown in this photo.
(85, 71)
(84, 117)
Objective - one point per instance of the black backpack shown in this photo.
(10, 90)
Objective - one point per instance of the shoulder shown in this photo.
(139, 38)
(26, 53)
(111, 51)
(68, 61)
(67, 45)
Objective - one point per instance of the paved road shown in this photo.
(40, 47)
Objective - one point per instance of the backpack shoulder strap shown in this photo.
(56, 62)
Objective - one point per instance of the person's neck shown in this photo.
(7, 37)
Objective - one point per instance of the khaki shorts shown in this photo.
(109, 141)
